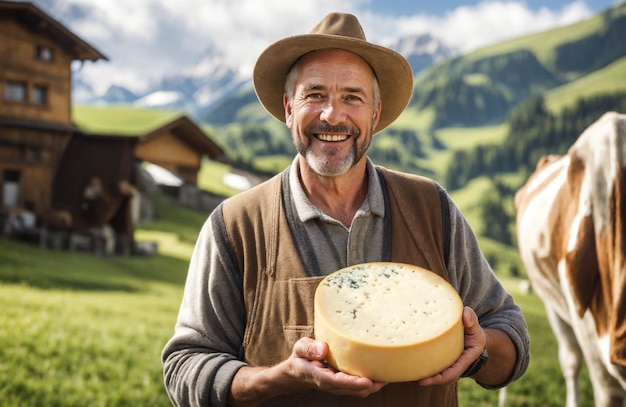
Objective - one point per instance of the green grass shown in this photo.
(84, 330)
(607, 80)
(211, 175)
(80, 330)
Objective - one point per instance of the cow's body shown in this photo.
(571, 230)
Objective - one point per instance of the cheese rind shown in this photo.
(390, 322)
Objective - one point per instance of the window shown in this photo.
(15, 92)
(11, 188)
(43, 53)
(33, 155)
(40, 95)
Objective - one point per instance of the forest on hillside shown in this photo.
(533, 132)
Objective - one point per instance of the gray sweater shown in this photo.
(205, 351)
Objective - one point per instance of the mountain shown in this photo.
(484, 86)
(194, 90)
(211, 89)
(422, 51)
(118, 94)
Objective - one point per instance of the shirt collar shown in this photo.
(374, 201)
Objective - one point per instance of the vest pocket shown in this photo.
(299, 313)
(284, 314)
(295, 332)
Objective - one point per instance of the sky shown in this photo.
(145, 40)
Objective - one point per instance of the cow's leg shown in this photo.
(609, 397)
(607, 391)
(570, 356)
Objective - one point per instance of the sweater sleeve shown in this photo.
(480, 289)
(205, 352)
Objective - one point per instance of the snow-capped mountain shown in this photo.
(191, 90)
(212, 79)
(422, 50)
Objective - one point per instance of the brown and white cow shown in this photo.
(571, 230)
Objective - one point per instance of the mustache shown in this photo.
(327, 128)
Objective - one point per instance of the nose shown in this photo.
(332, 112)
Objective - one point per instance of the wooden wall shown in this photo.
(21, 63)
(35, 155)
(169, 152)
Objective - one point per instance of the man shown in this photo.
(244, 331)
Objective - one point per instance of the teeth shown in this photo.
(332, 137)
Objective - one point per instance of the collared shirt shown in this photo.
(335, 245)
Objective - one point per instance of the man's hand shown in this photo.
(307, 363)
(475, 341)
(305, 369)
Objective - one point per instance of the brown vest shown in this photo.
(279, 292)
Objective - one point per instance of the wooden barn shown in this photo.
(54, 176)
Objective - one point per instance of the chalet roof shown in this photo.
(35, 124)
(36, 20)
(145, 125)
(188, 132)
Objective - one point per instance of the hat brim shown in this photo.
(393, 71)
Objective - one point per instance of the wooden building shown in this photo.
(178, 146)
(54, 175)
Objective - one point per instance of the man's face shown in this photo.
(332, 115)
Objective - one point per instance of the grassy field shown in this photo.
(80, 330)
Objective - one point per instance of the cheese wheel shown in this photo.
(390, 322)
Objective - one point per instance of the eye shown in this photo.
(354, 96)
(314, 96)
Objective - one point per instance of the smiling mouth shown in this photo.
(332, 137)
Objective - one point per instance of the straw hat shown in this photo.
(336, 30)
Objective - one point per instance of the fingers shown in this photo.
(474, 343)
(307, 357)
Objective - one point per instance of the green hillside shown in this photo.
(483, 87)
(609, 79)
(544, 44)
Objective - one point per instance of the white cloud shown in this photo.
(470, 27)
(117, 18)
(146, 39)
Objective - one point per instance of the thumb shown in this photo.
(311, 349)
(470, 319)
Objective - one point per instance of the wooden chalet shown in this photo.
(178, 146)
(54, 176)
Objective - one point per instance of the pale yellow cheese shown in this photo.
(389, 322)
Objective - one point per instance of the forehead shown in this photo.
(335, 64)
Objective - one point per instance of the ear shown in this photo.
(288, 110)
(376, 115)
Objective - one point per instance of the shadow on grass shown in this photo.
(22, 263)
